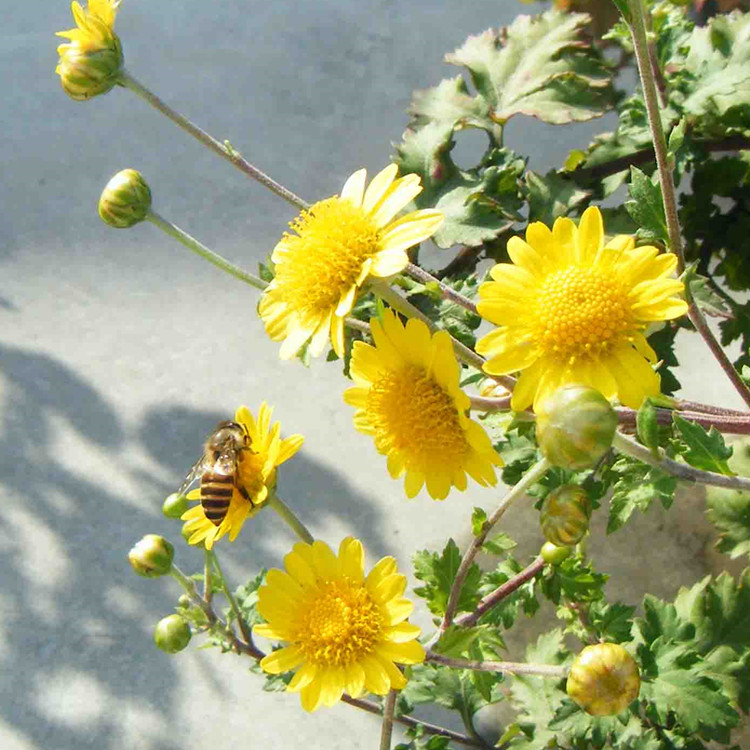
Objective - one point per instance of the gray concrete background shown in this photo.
(120, 350)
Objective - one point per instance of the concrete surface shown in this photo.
(120, 350)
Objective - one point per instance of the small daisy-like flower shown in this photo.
(334, 247)
(256, 476)
(572, 309)
(408, 398)
(344, 632)
(91, 62)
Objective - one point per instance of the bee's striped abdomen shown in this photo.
(216, 492)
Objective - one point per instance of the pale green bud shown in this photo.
(126, 200)
(152, 556)
(172, 634)
(90, 68)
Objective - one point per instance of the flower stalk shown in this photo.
(386, 730)
(534, 474)
(214, 560)
(192, 244)
(418, 273)
(506, 667)
(648, 80)
(289, 517)
(633, 448)
(222, 149)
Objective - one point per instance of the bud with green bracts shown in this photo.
(90, 68)
(172, 634)
(174, 505)
(575, 427)
(554, 555)
(565, 515)
(604, 679)
(152, 556)
(125, 200)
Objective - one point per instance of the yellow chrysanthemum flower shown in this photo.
(91, 62)
(336, 245)
(408, 397)
(572, 309)
(256, 475)
(344, 632)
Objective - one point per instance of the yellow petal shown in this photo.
(411, 229)
(398, 196)
(525, 256)
(352, 559)
(564, 235)
(635, 378)
(403, 632)
(384, 567)
(411, 652)
(289, 446)
(303, 677)
(332, 685)
(590, 235)
(413, 482)
(378, 187)
(377, 680)
(325, 562)
(388, 263)
(526, 387)
(310, 695)
(354, 187)
(507, 351)
(354, 676)
(397, 610)
(282, 660)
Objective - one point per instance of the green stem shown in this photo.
(533, 475)
(633, 448)
(207, 587)
(506, 667)
(386, 730)
(418, 273)
(222, 149)
(246, 634)
(383, 290)
(648, 81)
(289, 517)
(192, 244)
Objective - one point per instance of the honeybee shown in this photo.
(218, 469)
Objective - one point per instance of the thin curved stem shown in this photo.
(289, 517)
(648, 81)
(731, 425)
(386, 730)
(501, 592)
(397, 302)
(418, 273)
(246, 634)
(409, 721)
(192, 244)
(533, 475)
(633, 448)
(207, 576)
(222, 149)
(506, 667)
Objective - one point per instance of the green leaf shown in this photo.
(636, 487)
(498, 544)
(247, 599)
(611, 622)
(647, 207)
(456, 641)
(539, 66)
(574, 580)
(438, 573)
(676, 139)
(705, 296)
(478, 519)
(647, 426)
(729, 511)
(524, 597)
(704, 450)
(552, 196)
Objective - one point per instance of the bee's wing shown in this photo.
(192, 475)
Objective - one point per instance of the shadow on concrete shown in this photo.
(77, 665)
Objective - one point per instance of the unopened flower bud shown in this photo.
(172, 634)
(575, 427)
(87, 70)
(604, 679)
(174, 505)
(126, 200)
(565, 515)
(152, 556)
(554, 555)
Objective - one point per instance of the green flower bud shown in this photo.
(565, 515)
(604, 679)
(174, 505)
(91, 68)
(152, 556)
(184, 602)
(172, 634)
(554, 555)
(126, 200)
(575, 427)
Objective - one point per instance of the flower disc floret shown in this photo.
(408, 398)
(255, 479)
(334, 246)
(571, 308)
(343, 631)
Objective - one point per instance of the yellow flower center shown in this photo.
(581, 312)
(413, 414)
(340, 624)
(251, 472)
(334, 238)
